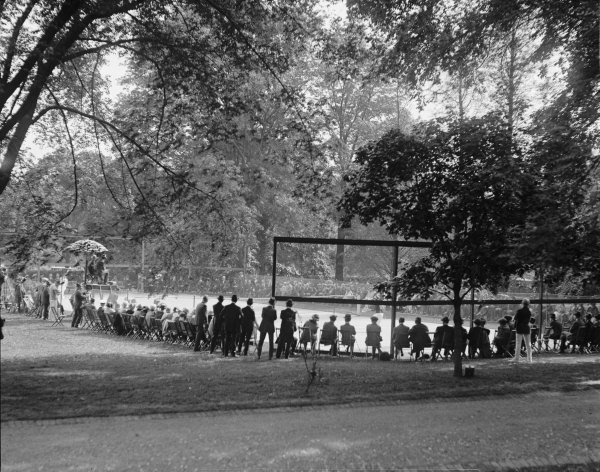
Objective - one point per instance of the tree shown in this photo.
(193, 42)
(454, 184)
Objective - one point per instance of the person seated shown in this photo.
(329, 335)
(534, 331)
(418, 335)
(509, 321)
(554, 331)
(502, 339)
(475, 337)
(374, 336)
(130, 309)
(574, 337)
(595, 346)
(485, 348)
(443, 338)
(309, 333)
(400, 338)
(348, 334)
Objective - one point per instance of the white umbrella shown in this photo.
(86, 246)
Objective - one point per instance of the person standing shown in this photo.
(54, 291)
(216, 322)
(231, 317)
(267, 326)
(19, 293)
(201, 322)
(77, 306)
(45, 298)
(286, 330)
(521, 321)
(248, 324)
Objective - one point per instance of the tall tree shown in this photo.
(454, 184)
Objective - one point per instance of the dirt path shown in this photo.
(546, 431)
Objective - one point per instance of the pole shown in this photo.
(143, 266)
(472, 306)
(394, 298)
(274, 273)
(85, 273)
(540, 326)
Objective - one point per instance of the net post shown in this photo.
(394, 297)
(274, 273)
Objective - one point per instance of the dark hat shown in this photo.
(333, 317)
(249, 301)
(445, 319)
(477, 322)
(374, 318)
(508, 318)
(347, 317)
(234, 298)
(289, 303)
(220, 298)
(502, 321)
(271, 301)
(315, 317)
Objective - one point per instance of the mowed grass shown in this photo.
(63, 373)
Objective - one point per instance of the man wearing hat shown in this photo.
(77, 306)
(443, 338)
(231, 317)
(45, 298)
(348, 334)
(418, 335)
(216, 332)
(267, 326)
(374, 336)
(286, 330)
(400, 338)
(248, 324)
(201, 322)
(329, 335)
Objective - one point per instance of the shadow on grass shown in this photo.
(109, 384)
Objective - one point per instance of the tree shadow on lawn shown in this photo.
(176, 380)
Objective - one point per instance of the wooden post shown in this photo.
(540, 326)
(143, 266)
(472, 306)
(394, 296)
(274, 273)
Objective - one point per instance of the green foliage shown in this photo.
(456, 185)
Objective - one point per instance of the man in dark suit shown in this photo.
(231, 317)
(45, 299)
(286, 330)
(217, 309)
(78, 300)
(418, 335)
(443, 338)
(267, 326)
(248, 323)
(201, 322)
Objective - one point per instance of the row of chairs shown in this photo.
(175, 332)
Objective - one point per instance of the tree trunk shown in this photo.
(13, 148)
(458, 340)
(339, 255)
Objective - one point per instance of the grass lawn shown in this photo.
(61, 373)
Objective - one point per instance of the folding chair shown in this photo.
(330, 339)
(57, 317)
(446, 344)
(348, 340)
